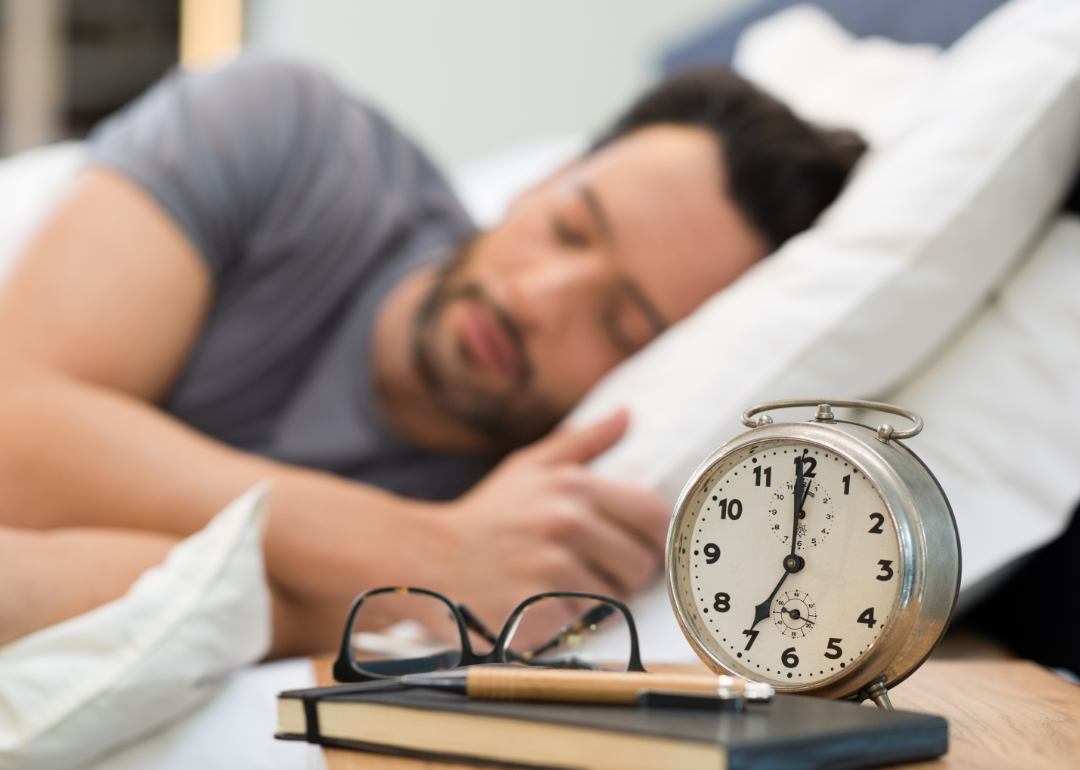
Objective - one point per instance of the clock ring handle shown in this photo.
(824, 414)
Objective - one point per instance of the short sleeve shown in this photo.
(215, 149)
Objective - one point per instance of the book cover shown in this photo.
(794, 731)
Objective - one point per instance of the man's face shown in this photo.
(585, 270)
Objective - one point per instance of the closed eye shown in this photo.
(568, 235)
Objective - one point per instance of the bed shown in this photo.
(945, 291)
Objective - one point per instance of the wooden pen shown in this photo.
(581, 686)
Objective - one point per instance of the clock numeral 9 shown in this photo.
(867, 617)
(789, 658)
(712, 553)
(879, 520)
(722, 602)
(886, 570)
(834, 650)
(730, 511)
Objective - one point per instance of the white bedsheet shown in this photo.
(234, 730)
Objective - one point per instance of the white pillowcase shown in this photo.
(73, 691)
(961, 181)
(829, 77)
(1002, 411)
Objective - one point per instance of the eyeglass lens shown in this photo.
(570, 632)
(395, 634)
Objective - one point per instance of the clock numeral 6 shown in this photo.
(886, 570)
(867, 617)
(722, 602)
(834, 650)
(789, 658)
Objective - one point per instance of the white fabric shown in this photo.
(828, 76)
(936, 216)
(71, 692)
(233, 731)
(1002, 410)
(30, 185)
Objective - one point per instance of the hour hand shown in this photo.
(761, 612)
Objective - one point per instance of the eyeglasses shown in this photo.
(393, 632)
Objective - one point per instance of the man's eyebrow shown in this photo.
(629, 285)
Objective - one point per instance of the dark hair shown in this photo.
(782, 171)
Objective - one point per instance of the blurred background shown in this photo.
(462, 76)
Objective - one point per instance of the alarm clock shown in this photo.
(818, 557)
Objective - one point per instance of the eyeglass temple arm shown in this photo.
(473, 623)
(595, 615)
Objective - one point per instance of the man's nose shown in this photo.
(549, 293)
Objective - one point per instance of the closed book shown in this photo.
(791, 732)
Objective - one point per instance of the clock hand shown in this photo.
(793, 562)
(761, 612)
(800, 490)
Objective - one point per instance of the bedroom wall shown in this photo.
(467, 76)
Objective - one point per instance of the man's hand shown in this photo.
(541, 521)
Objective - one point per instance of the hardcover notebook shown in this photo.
(792, 732)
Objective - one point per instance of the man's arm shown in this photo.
(52, 575)
(96, 322)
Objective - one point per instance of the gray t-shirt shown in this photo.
(307, 207)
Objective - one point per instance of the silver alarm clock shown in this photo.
(819, 557)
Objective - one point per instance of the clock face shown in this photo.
(793, 560)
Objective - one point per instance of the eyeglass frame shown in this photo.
(345, 669)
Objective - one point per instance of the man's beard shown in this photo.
(511, 418)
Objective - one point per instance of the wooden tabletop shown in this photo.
(1002, 712)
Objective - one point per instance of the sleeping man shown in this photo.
(257, 276)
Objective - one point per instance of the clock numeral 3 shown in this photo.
(753, 638)
(886, 570)
(712, 553)
(721, 602)
(834, 650)
(879, 519)
(789, 658)
(868, 617)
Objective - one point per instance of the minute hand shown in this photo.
(800, 490)
(792, 563)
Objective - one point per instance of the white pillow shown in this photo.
(1002, 411)
(73, 691)
(923, 234)
(31, 183)
(933, 220)
(830, 77)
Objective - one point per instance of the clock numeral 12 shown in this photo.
(758, 473)
(807, 465)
